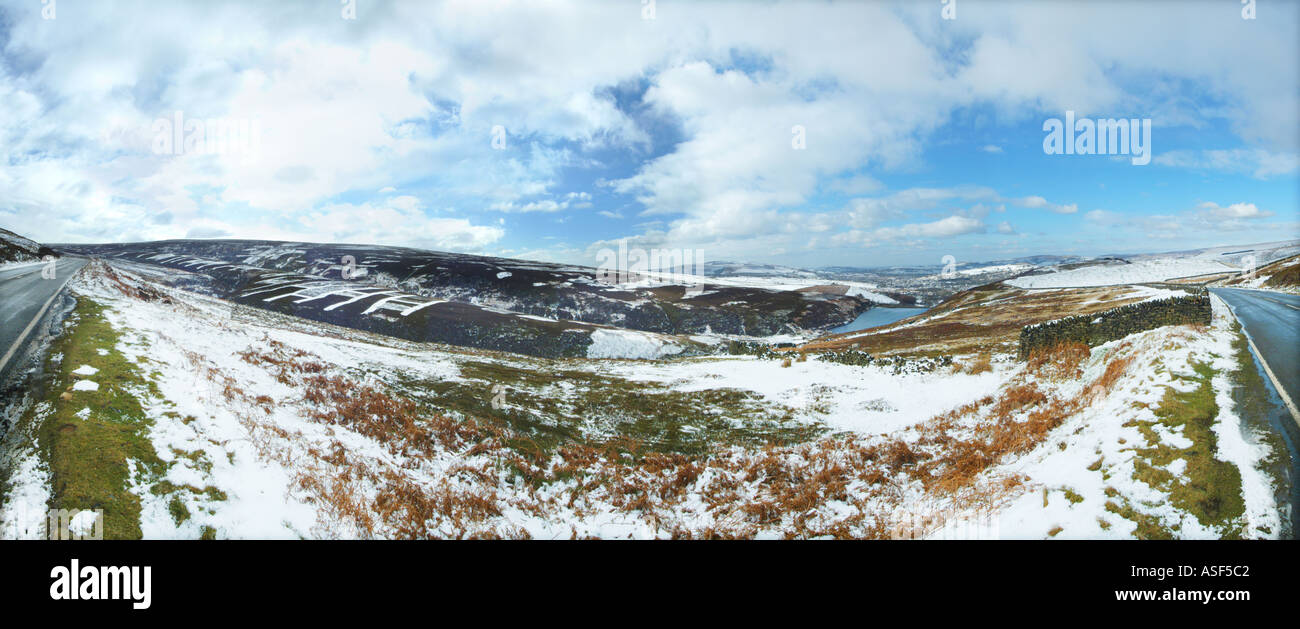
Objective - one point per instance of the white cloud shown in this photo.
(951, 226)
(1213, 211)
(1259, 163)
(395, 223)
(1037, 202)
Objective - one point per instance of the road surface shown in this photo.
(25, 296)
(1272, 322)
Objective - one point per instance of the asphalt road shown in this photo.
(25, 296)
(1272, 321)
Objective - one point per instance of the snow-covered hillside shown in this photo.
(1159, 267)
(475, 290)
(15, 249)
(1123, 272)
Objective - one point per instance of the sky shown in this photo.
(801, 133)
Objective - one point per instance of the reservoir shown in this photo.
(876, 317)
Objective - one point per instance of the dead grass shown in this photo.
(982, 363)
(1018, 421)
(1060, 361)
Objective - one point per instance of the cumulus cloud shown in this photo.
(1212, 211)
(396, 222)
(1037, 202)
(951, 226)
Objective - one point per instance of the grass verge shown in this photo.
(1207, 488)
(88, 436)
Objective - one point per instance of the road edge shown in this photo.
(1277, 386)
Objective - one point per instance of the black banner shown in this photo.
(518, 580)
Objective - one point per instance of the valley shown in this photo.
(260, 390)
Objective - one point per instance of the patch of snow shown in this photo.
(629, 344)
(867, 400)
(858, 291)
(83, 523)
(23, 511)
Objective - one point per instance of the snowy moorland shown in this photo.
(520, 306)
(1135, 272)
(185, 416)
(1149, 268)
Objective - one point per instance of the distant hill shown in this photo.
(474, 301)
(749, 269)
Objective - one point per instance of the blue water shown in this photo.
(877, 317)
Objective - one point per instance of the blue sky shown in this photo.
(923, 136)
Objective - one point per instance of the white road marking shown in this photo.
(30, 326)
